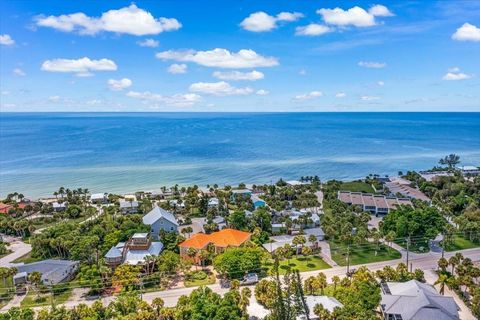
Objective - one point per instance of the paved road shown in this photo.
(427, 261)
(19, 249)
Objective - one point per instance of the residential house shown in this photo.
(220, 240)
(160, 219)
(176, 204)
(402, 186)
(413, 300)
(375, 204)
(133, 251)
(213, 203)
(4, 207)
(128, 206)
(240, 194)
(99, 198)
(329, 303)
(281, 240)
(59, 206)
(470, 170)
(53, 271)
(257, 202)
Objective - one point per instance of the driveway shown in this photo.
(18, 248)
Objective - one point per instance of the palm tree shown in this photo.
(443, 264)
(298, 241)
(453, 261)
(192, 253)
(321, 312)
(335, 281)
(245, 296)
(322, 281)
(35, 279)
(313, 241)
(157, 304)
(442, 280)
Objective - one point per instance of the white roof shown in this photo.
(328, 303)
(294, 183)
(95, 196)
(140, 235)
(58, 205)
(135, 257)
(241, 191)
(213, 201)
(128, 204)
(157, 213)
(468, 168)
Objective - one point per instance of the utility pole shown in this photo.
(348, 260)
(408, 247)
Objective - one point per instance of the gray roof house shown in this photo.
(160, 219)
(133, 251)
(414, 300)
(53, 271)
(128, 207)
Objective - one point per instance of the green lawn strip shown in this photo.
(362, 254)
(192, 281)
(417, 245)
(301, 263)
(45, 299)
(6, 291)
(357, 186)
(27, 258)
(461, 242)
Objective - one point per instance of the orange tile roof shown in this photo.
(222, 238)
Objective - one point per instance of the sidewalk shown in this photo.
(326, 253)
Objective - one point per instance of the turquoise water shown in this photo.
(123, 152)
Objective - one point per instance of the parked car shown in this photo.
(249, 279)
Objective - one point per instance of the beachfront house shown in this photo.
(53, 271)
(220, 240)
(240, 194)
(134, 251)
(160, 219)
(413, 300)
(375, 204)
(470, 171)
(128, 206)
(99, 198)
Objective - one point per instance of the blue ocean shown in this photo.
(124, 152)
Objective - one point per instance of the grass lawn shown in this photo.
(6, 291)
(461, 242)
(302, 264)
(417, 246)
(357, 186)
(196, 278)
(26, 259)
(361, 254)
(45, 298)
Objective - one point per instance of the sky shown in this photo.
(242, 56)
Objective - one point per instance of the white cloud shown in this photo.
(262, 92)
(313, 29)
(467, 32)
(177, 68)
(151, 43)
(221, 88)
(238, 75)
(355, 16)
(19, 72)
(83, 67)
(119, 85)
(221, 58)
(372, 64)
(381, 83)
(130, 20)
(454, 69)
(6, 40)
(380, 11)
(54, 98)
(302, 72)
(340, 95)
(369, 98)
(5, 92)
(176, 100)
(308, 96)
(94, 102)
(452, 76)
(261, 21)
